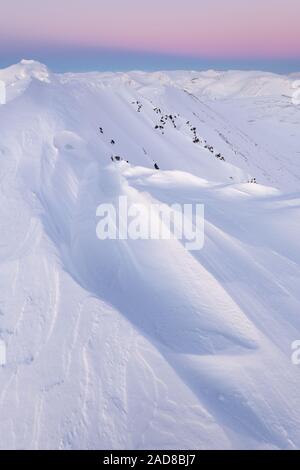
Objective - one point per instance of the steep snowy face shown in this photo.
(111, 343)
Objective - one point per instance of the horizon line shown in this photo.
(116, 61)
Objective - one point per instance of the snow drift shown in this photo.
(142, 344)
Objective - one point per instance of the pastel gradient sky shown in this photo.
(154, 34)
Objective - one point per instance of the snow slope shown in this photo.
(142, 344)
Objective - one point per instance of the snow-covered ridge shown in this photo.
(111, 344)
(209, 83)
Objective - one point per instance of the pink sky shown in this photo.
(211, 28)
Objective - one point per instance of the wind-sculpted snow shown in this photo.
(113, 343)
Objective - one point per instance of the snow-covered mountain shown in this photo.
(128, 344)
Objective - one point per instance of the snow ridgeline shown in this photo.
(111, 344)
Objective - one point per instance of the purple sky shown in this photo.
(224, 30)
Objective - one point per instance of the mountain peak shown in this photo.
(34, 69)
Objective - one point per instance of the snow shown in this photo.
(122, 344)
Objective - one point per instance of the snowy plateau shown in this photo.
(142, 344)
